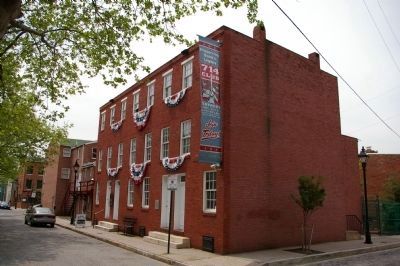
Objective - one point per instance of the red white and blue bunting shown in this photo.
(115, 126)
(175, 99)
(137, 172)
(173, 164)
(140, 118)
(112, 172)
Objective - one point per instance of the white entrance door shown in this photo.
(179, 204)
(116, 200)
(107, 207)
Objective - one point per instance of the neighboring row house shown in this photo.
(29, 185)
(231, 122)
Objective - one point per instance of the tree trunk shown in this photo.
(9, 10)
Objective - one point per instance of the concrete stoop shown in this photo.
(161, 239)
(107, 226)
(352, 235)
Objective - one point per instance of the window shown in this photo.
(100, 160)
(146, 192)
(39, 184)
(97, 194)
(131, 186)
(94, 153)
(150, 93)
(112, 115)
(41, 170)
(123, 109)
(210, 192)
(136, 101)
(28, 184)
(120, 154)
(147, 147)
(65, 173)
(79, 153)
(67, 152)
(164, 142)
(187, 70)
(102, 120)
(185, 136)
(29, 169)
(132, 157)
(109, 155)
(167, 84)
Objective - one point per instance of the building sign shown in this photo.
(172, 183)
(211, 128)
(80, 220)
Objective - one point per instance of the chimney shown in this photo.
(259, 33)
(314, 57)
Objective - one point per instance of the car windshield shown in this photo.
(43, 210)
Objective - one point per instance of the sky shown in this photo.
(365, 55)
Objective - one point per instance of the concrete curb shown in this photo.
(331, 255)
(127, 247)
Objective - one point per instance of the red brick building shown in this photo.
(279, 119)
(30, 185)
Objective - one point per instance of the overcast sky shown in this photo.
(344, 33)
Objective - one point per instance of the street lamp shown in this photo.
(363, 156)
(92, 207)
(76, 168)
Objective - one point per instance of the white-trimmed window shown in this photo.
(109, 156)
(164, 143)
(210, 191)
(146, 192)
(132, 157)
(131, 187)
(78, 153)
(187, 71)
(147, 147)
(185, 136)
(123, 109)
(67, 152)
(112, 114)
(65, 172)
(97, 194)
(102, 120)
(120, 154)
(167, 89)
(136, 101)
(150, 93)
(100, 159)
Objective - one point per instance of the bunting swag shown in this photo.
(115, 126)
(172, 164)
(140, 118)
(137, 172)
(112, 172)
(174, 100)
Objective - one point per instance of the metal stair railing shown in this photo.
(354, 223)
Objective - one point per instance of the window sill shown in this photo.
(129, 207)
(145, 209)
(209, 214)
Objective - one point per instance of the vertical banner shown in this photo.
(210, 135)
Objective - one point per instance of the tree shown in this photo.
(311, 197)
(391, 188)
(46, 46)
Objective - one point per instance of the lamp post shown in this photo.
(92, 202)
(363, 156)
(76, 168)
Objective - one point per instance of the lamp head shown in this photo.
(76, 166)
(363, 156)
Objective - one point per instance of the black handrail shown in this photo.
(354, 223)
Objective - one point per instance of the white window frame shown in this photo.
(65, 173)
(147, 147)
(167, 87)
(112, 114)
(109, 157)
(187, 73)
(102, 120)
(120, 155)
(97, 194)
(164, 147)
(78, 151)
(146, 193)
(123, 108)
(67, 152)
(131, 193)
(135, 101)
(150, 93)
(185, 148)
(100, 161)
(209, 194)
(132, 154)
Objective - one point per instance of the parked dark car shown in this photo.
(4, 205)
(38, 215)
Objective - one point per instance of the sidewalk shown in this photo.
(264, 257)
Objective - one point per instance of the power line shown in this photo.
(337, 73)
(387, 21)
(381, 35)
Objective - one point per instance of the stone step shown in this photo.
(353, 235)
(160, 238)
(107, 226)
